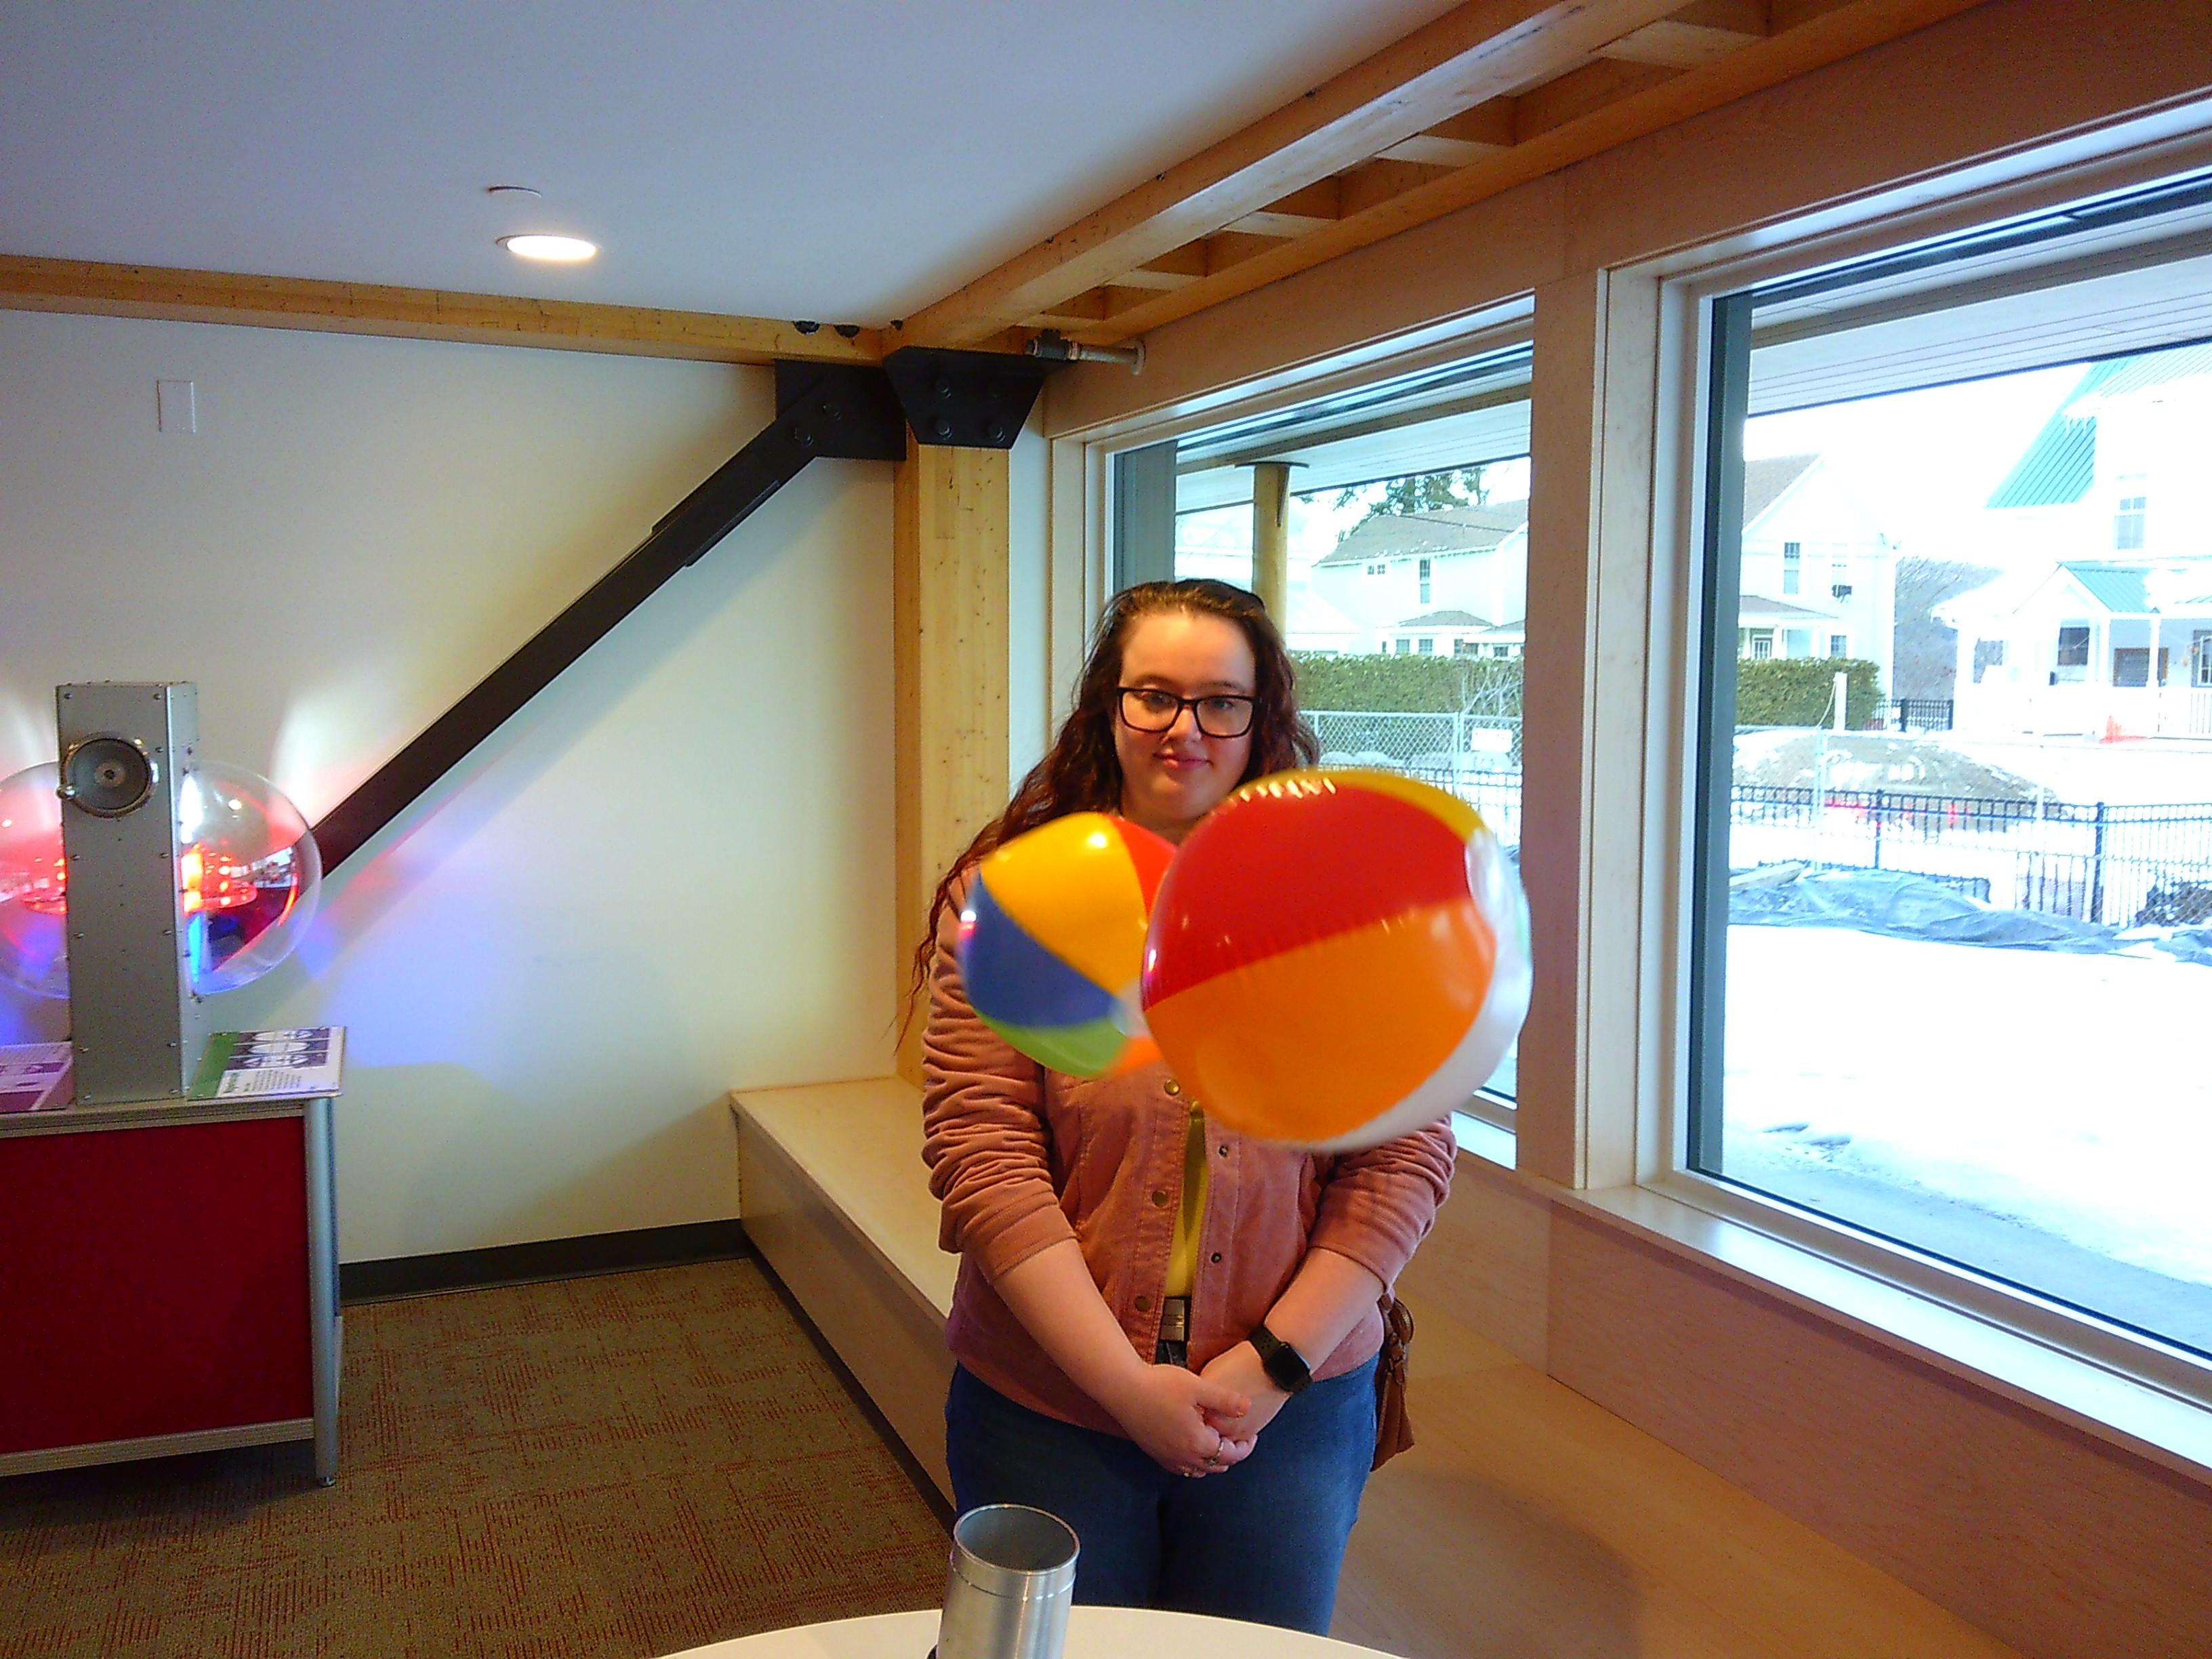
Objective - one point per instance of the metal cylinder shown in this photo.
(1011, 1581)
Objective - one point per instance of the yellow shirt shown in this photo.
(1182, 1253)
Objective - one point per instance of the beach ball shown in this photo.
(1336, 957)
(1051, 941)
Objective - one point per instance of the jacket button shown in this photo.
(1225, 1151)
(1160, 1196)
(1217, 1256)
(1173, 1087)
(1143, 1304)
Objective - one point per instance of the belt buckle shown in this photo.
(1175, 1319)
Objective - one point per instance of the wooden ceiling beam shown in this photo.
(1678, 46)
(1466, 138)
(209, 296)
(1363, 187)
(1833, 35)
(1581, 92)
(1479, 51)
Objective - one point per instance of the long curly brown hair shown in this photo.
(1083, 774)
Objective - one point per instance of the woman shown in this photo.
(1165, 1331)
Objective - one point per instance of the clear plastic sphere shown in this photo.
(248, 869)
(33, 941)
(250, 872)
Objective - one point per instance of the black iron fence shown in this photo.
(2130, 864)
(1921, 713)
(2101, 861)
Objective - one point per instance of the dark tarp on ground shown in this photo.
(1899, 904)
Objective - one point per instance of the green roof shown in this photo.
(2118, 588)
(2057, 468)
(2060, 464)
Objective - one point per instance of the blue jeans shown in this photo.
(1263, 1541)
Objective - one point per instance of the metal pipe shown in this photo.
(1060, 349)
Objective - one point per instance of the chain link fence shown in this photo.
(1472, 754)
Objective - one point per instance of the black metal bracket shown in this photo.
(840, 411)
(836, 411)
(976, 399)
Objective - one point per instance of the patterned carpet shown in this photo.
(621, 1466)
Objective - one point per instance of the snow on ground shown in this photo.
(2164, 770)
(2161, 771)
(2070, 1093)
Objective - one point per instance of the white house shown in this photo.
(2118, 471)
(2094, 646)
(1436, 579)
(1819, 576)
(2104, 624)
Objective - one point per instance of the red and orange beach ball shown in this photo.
(1336, 957)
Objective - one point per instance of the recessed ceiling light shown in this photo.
(562, 250)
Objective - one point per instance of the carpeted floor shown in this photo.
(621, 1465)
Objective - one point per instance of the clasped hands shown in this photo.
(1201, 1423)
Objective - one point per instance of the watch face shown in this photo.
(1285, 1366)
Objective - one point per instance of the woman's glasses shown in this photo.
(1147, 708)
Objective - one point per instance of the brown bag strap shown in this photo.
(1394, 1429)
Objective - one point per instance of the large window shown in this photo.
(1406, 531)
(1952, 961)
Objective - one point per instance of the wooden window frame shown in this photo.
(1650, 329)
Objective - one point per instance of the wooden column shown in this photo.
(950, 522)
(1270, 538)
(1585, 833)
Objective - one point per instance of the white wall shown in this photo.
(669, 876)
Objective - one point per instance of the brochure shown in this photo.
(34, 1077)
(305, 1061)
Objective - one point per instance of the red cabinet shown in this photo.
(168, 1282)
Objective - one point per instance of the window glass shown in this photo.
(1408, 572)
(1954, 949)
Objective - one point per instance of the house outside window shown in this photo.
(1405, 647)
(2200, 656)
(1425, 646)
(1761, 645)
(1988, 655)
(1424, 582)
(2073, 647)
(1793, 569)
(1839, 645)
(2129, 521)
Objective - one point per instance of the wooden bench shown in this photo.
(1526, 1521)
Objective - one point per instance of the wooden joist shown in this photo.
(208, 296)
(1668, 97)
(1482, 50)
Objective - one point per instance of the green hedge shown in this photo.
(1781, 691)
(1417, 685)
(1798, 691)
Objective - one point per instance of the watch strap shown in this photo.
(1285, 1365)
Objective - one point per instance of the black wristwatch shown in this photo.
(1285, 1365)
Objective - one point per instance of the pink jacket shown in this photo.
(1021, 1158)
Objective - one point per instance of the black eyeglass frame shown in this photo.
(1123, 693)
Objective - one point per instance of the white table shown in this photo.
(1092, 1634)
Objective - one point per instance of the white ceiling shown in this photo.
(848, 160)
